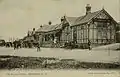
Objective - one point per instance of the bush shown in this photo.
(38, 62)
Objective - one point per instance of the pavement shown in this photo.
(108, 47)
(105, 56)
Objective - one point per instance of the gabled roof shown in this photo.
(84, 19)
(71, 20)
(46, 28)
(29, 38)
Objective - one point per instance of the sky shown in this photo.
(19, 16)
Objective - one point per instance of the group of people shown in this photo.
(18, 44)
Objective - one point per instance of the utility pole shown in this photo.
(119, 9)
(119, 21)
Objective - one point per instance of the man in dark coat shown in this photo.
(89, 45)
(38, 47)
(15, 44)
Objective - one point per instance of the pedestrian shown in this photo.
(55, 42)
(38, 47)
(89, 45)
(14, 44)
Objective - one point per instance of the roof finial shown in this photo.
(65, 14)
(103, 8)
(63, 17)
(49, 22)
(40, 26)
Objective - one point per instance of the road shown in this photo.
(78, 54)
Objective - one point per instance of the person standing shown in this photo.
(89, 45)
(38, 47)
(55, 42)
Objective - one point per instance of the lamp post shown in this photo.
(119, 20)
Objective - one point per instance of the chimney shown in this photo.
(49, 22)
(40, 26)
(28, 33)
(88, 9)
(62, 18)
(33, 29)
(33, 32)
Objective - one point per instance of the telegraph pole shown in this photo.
(119, 21)
(119, 10)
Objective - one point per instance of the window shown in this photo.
(102, 24)
(45, 37)
(82, 27)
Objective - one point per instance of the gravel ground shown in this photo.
(104, 56)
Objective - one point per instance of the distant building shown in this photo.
(97, 27)
(31, 36)
(47, 33)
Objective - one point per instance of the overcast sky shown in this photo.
(19, 16)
